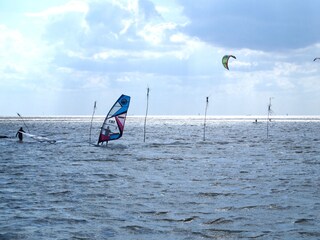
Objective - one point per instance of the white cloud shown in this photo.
(72, 6)
(156, 34)
(21, 56)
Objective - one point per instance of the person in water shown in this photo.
(20, 134)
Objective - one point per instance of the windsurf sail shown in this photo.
(113, 125)
(38, 138)
(35, 137)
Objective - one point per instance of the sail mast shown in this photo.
(205, 119)
(23, 122)
(145, 118)
(94, 109)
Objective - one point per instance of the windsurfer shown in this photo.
(106, 132)
(20, 134)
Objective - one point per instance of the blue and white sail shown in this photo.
(113, 125)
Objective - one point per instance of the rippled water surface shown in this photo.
(236, 184)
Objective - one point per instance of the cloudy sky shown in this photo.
(58, 57)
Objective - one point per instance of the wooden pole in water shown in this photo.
(268, 119)
(205, 119)
(94, 109)
(145, 119)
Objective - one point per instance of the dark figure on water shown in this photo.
(20, 134)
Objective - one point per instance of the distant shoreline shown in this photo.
(251, 118)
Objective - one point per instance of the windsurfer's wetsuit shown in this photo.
(20, 134)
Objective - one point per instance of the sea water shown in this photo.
(234, 182)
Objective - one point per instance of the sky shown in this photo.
(58, 57)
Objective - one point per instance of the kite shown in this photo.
(316, 59)
(225, 60)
